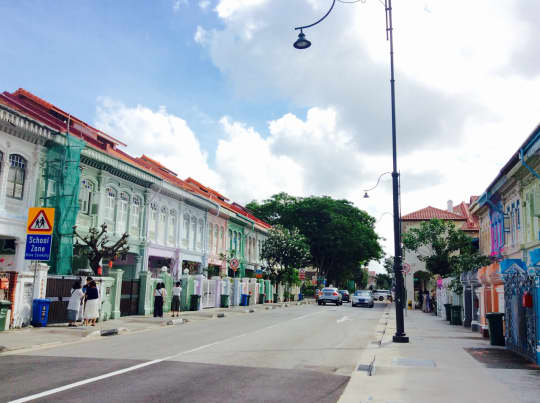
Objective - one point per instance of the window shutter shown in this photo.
(536, 202)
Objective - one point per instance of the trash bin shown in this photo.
(447, 311)
(275, 298)
(455, 315)
(194, 304)
(261, 298)
(495, 323)
(5, 306)
(247, 300)
(300, 297)
(244, 300)
(224, 301)
(40, 312)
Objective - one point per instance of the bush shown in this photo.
(308, 290)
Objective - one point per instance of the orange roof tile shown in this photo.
(429, 213)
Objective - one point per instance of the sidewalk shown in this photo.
(439, 365)
(56, 334)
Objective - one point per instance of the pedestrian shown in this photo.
(74, 303)
(158, 301)
(175, 304)
(91, 306)
(80, 316)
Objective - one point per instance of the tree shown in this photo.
(341, 237)
(285, 251)
(361, 278)
(445, 249)
(383, 281)
(389, 266)
(95, 245)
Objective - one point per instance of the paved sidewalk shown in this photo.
(439, 365)
(55, 334)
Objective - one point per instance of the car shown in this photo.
(329, 295)
(362, 298)
(345, 296)
(381, 295)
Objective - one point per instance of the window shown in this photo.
(16, 175)
(235, 241)
(230, 240)
(185, 232)
(201, 235)
(222, 235)
(172, 227)
(518, 217)
(85, 197)
(162, 231)
(152, 222)
(123, 210)
(110, 201)
(1, 161)
(216, 237)
(211, 237)
(135, 215)
(193, 232)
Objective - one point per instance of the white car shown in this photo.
(362, 298)
(381, 295)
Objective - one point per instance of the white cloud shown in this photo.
(227, 8)
(177, 4)
(204, 4)
(158, 134)
(201, 36)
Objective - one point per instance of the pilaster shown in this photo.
(116, 292)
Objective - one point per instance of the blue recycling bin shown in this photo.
(244, 300)
(40, 312)
(300, 297)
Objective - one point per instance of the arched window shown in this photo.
(110, 203)
(152, 222)
(172, 227)
(193, 233)
(162, 231)
(135, 215)
(211, 237)
(185, 232)
(86, 194)
(200, 236)
(222, 238)
(235, 241)
(16, 175)
(123, 211)
(230, 240)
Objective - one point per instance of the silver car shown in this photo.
(330, 295)
(362, 298)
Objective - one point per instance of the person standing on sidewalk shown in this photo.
(74, 303)
(158, 301)
(91, 307)
(175, 304)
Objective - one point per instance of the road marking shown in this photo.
(344, 319)
(145, 364)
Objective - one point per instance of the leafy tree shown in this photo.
(341, 237)
(389, 266)
(95, 246)
(383, 281)
(361, 278)
(285, 251)
(445, 249)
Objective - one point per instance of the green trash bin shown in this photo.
(447, 311)
(194, 304)
(5, 306)
(455, 315)
(224, 301)
(495, 324)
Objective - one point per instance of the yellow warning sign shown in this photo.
(40, 220)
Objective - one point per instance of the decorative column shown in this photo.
(475, 302)
(116, 293)
(167, 279)
(146, 293)
(485, 300)
(467, 300)
(40, 280)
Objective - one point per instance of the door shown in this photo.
(129, 300)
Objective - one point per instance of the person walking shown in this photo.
(74, 303)
(176, 294)
(80, 316)
(91, 307)
(158, 300)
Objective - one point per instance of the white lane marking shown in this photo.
(344, 319)
(145, 364)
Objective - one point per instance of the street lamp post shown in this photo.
(303, 43)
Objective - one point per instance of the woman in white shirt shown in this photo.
(175, 304)
(74, 303)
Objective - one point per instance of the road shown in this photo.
(296, 354)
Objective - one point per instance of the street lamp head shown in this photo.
(366, 196)
(302, 42)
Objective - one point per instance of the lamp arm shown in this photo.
(378, 180)
(315, 23)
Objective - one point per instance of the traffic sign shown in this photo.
(40, 220)
(38, 247)
(234, 264)
(406, 268)
(302, 274)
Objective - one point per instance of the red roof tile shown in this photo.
(429, 213)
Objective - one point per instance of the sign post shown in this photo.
(39, 230)
(234, 263)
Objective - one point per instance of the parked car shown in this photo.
(330, 295)
(345, 296)
(362, 298)
(381, 295)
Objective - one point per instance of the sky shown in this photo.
(215, 90)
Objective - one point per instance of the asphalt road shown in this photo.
(296, 354)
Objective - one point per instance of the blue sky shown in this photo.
(136, 52)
